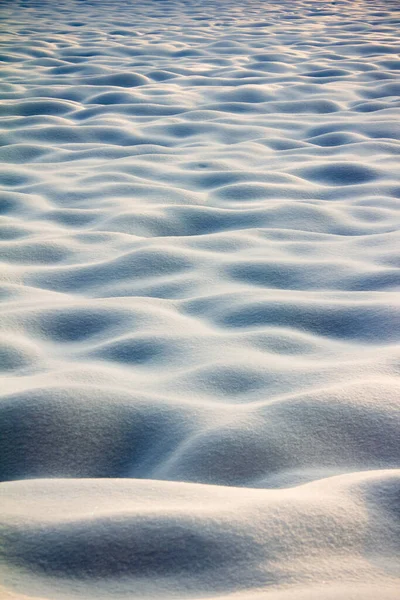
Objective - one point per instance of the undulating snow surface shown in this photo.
(200, 306)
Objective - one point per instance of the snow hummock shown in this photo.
(200, 300)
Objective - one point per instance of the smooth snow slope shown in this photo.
(200, 300)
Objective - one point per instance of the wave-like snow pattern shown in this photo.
(200, 340)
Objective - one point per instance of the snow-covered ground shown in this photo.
(200, 299)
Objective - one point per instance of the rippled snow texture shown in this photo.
(200, 299)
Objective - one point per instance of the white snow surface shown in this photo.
(200, 331)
